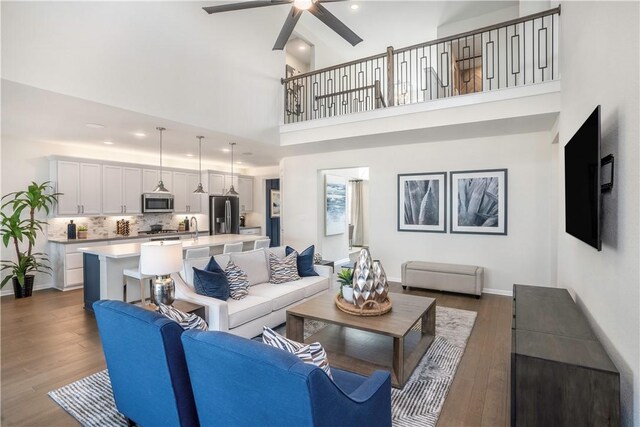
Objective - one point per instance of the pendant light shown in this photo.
(232, 191)
(160, 188)
(199, 190)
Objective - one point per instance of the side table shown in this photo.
(186, 306)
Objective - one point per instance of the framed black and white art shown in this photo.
(479, 201)
(422, 202)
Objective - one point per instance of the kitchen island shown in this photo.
(103, 265)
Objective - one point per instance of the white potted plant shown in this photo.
(345, 278)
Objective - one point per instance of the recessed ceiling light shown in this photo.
(226, 150)
(140, 134)
(239, 163)
(109, 142)
(302, 47)
(189, 155)
(94, 125)
(355, 7)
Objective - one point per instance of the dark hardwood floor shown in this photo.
(48, 341)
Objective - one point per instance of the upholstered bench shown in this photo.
(465, 279)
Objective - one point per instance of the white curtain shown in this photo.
(356, 213)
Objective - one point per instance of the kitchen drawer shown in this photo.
(73, 261)
(246, 231)
(74, 277)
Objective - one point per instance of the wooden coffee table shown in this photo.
(365, 344)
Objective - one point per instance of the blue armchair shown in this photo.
(239, 382)
(146, 365)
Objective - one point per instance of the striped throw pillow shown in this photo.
(313, 353)
(186, 320)
(238, 282)
(283, 270)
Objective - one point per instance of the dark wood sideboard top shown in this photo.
(549, 325)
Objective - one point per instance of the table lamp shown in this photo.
(160, 259)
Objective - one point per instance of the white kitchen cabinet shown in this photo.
(132, 190)
(245, 189)
(194, 200)
(81, 186)
(184, 200)
(121, 190)
(150, 178)
(216, 184)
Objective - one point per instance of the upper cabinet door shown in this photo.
(90, 188)
(150, 178)
(194, 200)
(245, 189)
(112, 190)
(68, 183)
(179, 191)
(132, 190)
(216, 184)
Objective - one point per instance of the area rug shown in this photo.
(90, 400)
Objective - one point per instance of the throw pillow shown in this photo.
(238, 282)
(305, 261)
(211, 283)
(313, 353)
(283, 270)
(186, 320)
(214, 266)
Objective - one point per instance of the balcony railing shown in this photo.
(519, 52)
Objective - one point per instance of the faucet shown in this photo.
(191, 221)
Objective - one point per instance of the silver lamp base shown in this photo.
(164, 290)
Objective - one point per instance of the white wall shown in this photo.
(606, 284)
(520, 257)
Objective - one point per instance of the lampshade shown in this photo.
(160, 258)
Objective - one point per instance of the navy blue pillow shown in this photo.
(211, 284)
(304, 261)
(213, 266)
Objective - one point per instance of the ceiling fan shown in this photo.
(313, 6)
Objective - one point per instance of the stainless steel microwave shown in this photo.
(157, 202)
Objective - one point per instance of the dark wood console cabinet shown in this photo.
(560, 373)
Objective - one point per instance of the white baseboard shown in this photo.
(497, 292)
(8, 288)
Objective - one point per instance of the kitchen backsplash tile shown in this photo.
(105, 226)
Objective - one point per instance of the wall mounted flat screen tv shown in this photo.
(582, 182)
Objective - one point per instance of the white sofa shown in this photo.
(266, 304)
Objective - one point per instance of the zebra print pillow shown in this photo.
(313, 353)
(238, 282)
(283, 270)
(186, 320)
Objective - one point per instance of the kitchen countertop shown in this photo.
(249, 228)
(111, 237)
(126, 250)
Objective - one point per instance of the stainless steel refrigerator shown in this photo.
(224, 215)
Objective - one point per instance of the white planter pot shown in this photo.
(347, 293)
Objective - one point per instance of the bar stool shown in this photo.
(134, 273)
(232, 247)
(261, 244)
(196, 253)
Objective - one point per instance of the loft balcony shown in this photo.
(514, 63)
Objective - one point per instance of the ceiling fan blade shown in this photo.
(243, 5)
(287, 28)
(334, 23)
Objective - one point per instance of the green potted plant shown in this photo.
(17, 230)
(345, 278)
(82, 232)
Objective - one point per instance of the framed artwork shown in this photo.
(275, 203)
(335, 212)
(422, 202)
(479, 201)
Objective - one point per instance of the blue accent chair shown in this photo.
(146, 363)
(240, 382)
